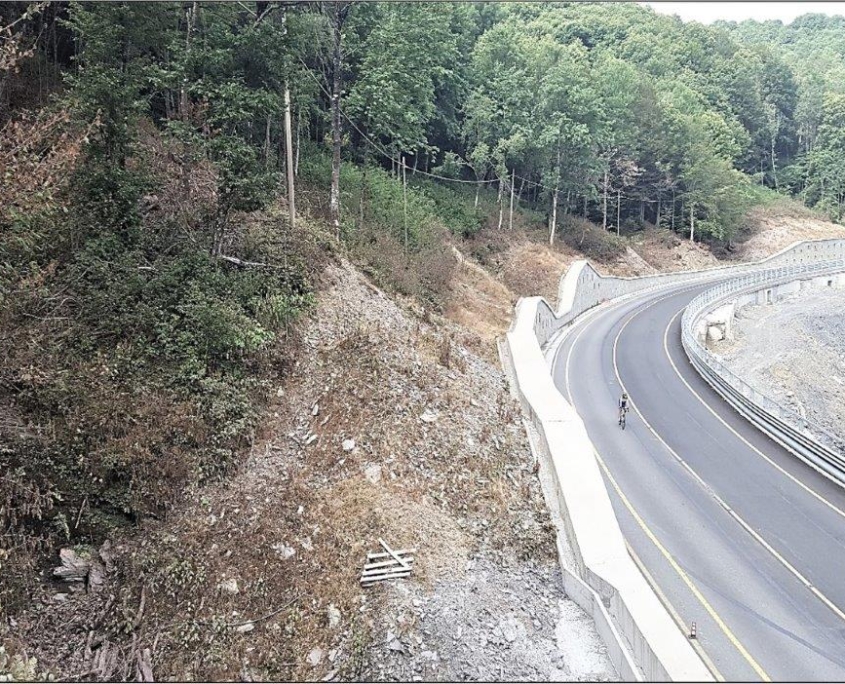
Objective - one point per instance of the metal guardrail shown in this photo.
(806, 439)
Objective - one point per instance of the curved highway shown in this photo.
(736, 534)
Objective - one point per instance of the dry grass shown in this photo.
(665, 252)
(772, 229)
(480, 303)
(451, 487)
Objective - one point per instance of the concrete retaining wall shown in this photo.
(643, 630)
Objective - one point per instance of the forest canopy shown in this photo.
(608, 110)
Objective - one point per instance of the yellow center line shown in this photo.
(696, 644)
(683, 575)
(653, 538)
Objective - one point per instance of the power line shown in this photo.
(388, 155)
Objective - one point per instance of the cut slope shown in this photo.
(774, 230)
(258, 578)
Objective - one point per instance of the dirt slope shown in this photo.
(392, 427)
(772, 231)
(498, 269)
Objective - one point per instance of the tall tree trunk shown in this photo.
(405, 202)
(513, 185)
(657, 218)
(642, 211)
(774, 169)
(363, 194)
(477, 191)
(553, 222)
(692, 222)
(267, 143)
(337, 76)
(289, 159)
(296, 161)
(501, 207)
(618, 211)
(191, 17)
(673, 209)
(604, 203)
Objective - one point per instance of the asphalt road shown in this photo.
(738, 535)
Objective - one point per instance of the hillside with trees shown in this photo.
(177, 179)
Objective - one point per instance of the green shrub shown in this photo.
(591, 240)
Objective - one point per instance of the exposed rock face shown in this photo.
(84, 566)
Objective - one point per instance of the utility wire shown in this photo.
(393, 159)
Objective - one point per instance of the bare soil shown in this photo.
(258, 578)
(774, 229)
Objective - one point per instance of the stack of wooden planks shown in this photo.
(387, 565)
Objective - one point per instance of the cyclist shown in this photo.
(623, 407)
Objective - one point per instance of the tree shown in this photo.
(337, 14)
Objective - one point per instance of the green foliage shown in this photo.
(455, 208)
(142, 354)
(591, 240)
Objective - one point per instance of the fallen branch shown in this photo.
(269, 615)
(240, 263)
(209, 623)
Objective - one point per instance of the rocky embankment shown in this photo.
(396, 425)
(794, 352)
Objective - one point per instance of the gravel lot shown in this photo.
(794, 352)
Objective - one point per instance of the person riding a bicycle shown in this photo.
(623, 406)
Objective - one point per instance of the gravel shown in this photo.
(794, 352)
(499, 622)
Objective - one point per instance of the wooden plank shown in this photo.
(393, 553)
(387, 565)
(381, 571)
(389, 575)
(374, 556)
(384, 564)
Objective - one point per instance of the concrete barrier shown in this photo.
(639, 632)
(641, 629)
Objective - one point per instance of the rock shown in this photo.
(428, 417)
(229, 586)
(396, 646)
(315, 657)
(75, 566)
(310, 440)
(373, 473)
(245, 628)
(715, 334)
(316, 410)
(60, 598)
(107, 555)
(348, 444)
(512, 629)
(284, 551)
(334, 616)
(96, 576)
